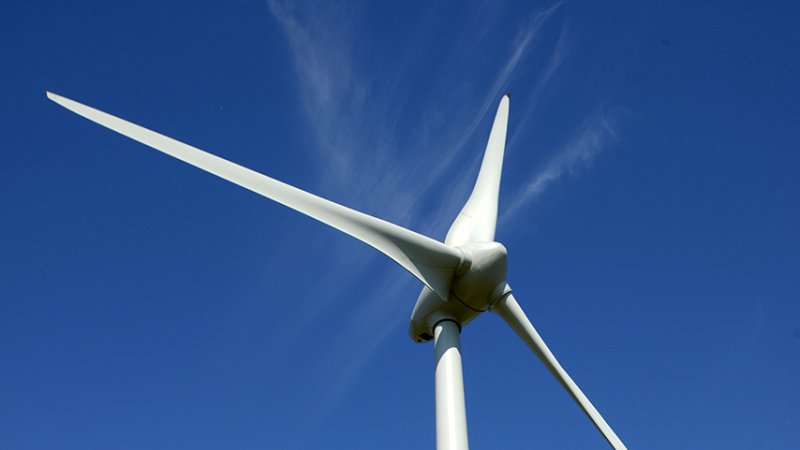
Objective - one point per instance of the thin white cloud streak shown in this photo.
(321, 56)
(348, 128)
(594, 134)
(543, 84)
(351, 117)
(354, 120)
(526, 36)
(536, 21)
(521, 46)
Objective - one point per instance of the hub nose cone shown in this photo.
(487, 270)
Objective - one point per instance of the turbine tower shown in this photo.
(462, 277)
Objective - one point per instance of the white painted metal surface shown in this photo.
(429, 260)
(478, 218)
(451, 412)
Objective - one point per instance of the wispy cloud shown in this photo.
(526, 36)
(595, 133)
(522, 44)
(322, 58)
(354, 115)
(355, 110)
(542, 84)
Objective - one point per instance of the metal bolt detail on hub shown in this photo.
(463, 276)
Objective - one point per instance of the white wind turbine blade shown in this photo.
(477, 220)
(430, 261)
(508, 308)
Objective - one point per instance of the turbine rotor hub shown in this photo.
(479, 282)
(486, 270)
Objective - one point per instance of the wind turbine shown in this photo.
(462, 277)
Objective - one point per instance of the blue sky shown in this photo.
(649, 205)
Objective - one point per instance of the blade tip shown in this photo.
(52, 96)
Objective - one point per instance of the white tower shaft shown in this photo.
(451, 413)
